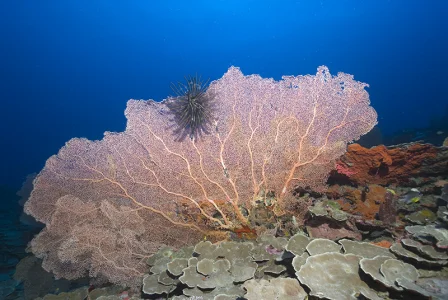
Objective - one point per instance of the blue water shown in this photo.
(68, 67)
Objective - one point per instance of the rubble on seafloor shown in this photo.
(361, 239)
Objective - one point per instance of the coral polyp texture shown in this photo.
(109, 204)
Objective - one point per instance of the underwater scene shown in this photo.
(251, 150)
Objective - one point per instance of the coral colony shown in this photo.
(213, 194)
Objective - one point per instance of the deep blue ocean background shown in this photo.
(68, 67)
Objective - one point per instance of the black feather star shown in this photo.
(192, 108)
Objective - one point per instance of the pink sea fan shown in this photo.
(109, 204)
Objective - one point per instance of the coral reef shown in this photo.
(392, 165)
(109, 204)
(302, 267)
(412, 266)
(251, 195)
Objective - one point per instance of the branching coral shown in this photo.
(109, 204)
